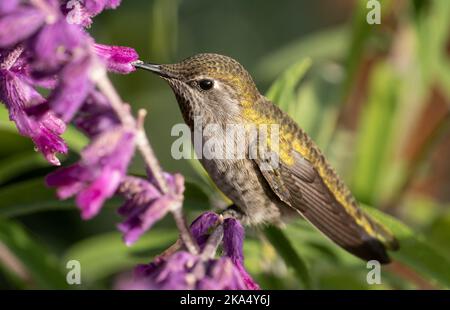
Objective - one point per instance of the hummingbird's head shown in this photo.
(208, 83)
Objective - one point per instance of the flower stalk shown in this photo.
(214, 240)
(54, 51)
(143, 145)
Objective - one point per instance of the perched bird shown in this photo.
(219, 90)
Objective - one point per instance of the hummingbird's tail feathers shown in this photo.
(384, 235)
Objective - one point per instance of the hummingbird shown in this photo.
(219, 90)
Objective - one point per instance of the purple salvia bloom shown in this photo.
(98, 174)
(76, 13)
(174, 274)
(54, 45)
(19, 24)
(81, 13)
(73, 87)
(145, 204)
(96, 115)
(202, 225)
(22, 69)
(112, 4)
(118, 59)
(95, 7)
(185, 271)
(44, 131)
(222, 275)
(233, 239)
(7, 6)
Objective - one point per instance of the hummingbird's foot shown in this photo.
(233, 211)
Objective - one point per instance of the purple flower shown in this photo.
(81, 12)
(97, 6)
(55, 45)
(185, 271)
(222, 275)
(7, 6)
(18, 23)
(202, 225)
(99, 172)
(60, 56)
(19, 96)
(96, 115)
(117, 58)
(233, 238)
(72, 89)
(145, 204)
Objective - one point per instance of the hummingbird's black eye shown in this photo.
(206, 84)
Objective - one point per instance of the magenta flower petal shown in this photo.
(174, 273)
(18, 95)
(117, 58)
(81, 13)
(136, 225)
(19, 24)
(222, 275)
(96, 115)
(73, 88)
(95, 7)
(233, 239)
(7, 6)
(22, 69)
(185, 271)
(53, 123)
(91, 199)
(98, 174)
(145, 204)
(54, 45)
(49, 144)
(69, 180)
(112, 4)
(138, 193)
(202, 225)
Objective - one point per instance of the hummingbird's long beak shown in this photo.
(155, 68)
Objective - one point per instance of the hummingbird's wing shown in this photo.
(300, 186)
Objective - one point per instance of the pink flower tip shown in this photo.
(118, 59)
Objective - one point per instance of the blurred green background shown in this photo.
(375, 98)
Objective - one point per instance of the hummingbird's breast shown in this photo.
(242, 182)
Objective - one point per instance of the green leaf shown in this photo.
(195, 199)
(282, 91)
(27, 197)
(291, 257)
(18, 164)
(374, 135)
(5, 123)
(164, 29)
(313, 105)
(439, 233)
(324, 45)
(415, 251)
(42, 267)
(104, 255)
(432, 18)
